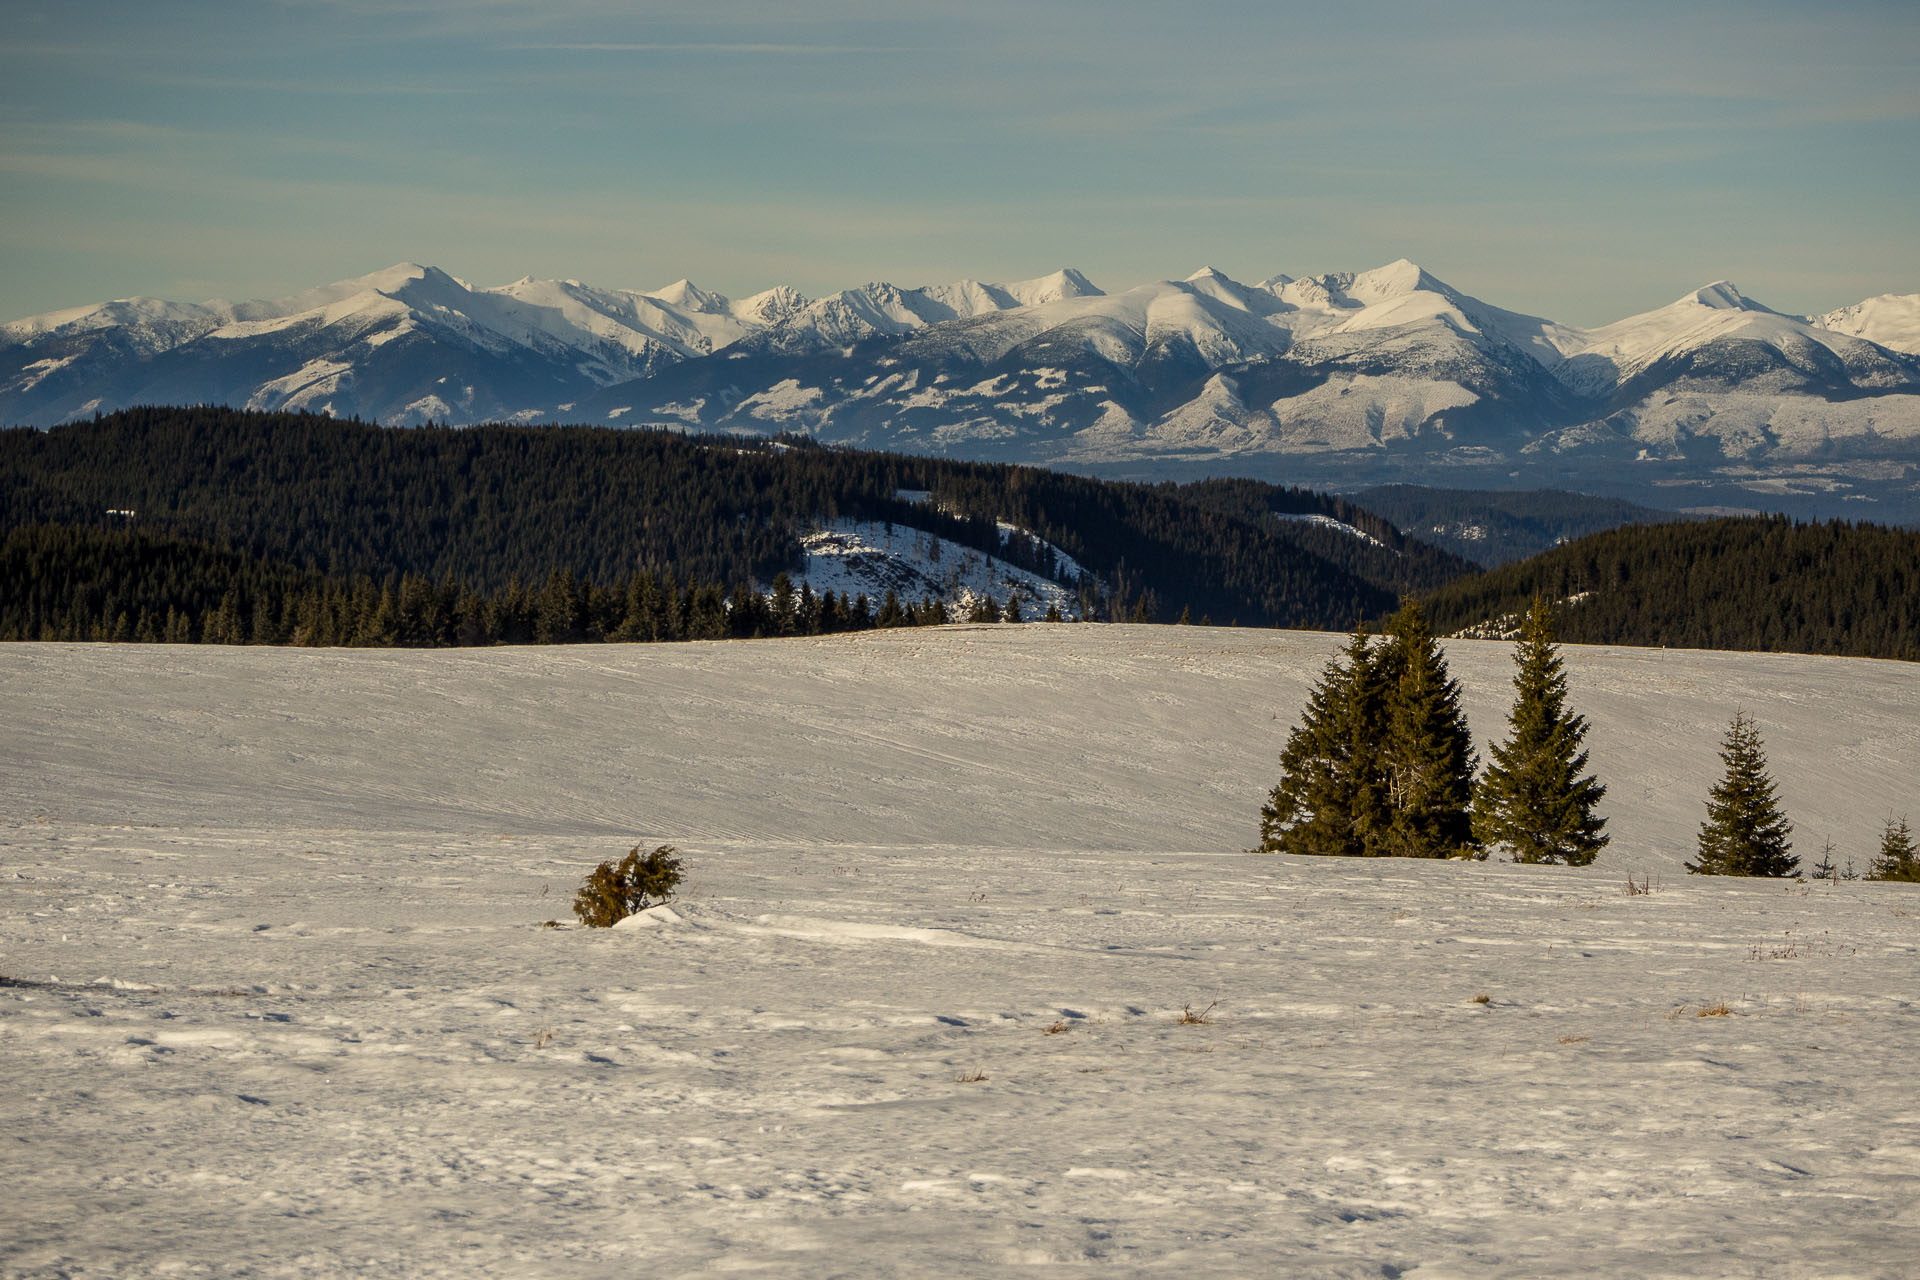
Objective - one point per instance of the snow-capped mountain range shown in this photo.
(1345, 377)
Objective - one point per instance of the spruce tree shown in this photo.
(1745, 833)
(1428, 750)
(785, 606)
(1532, 799)
(1898, 858)
(1331, 796)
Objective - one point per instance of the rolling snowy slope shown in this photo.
(278, 1000)
(1041, 737)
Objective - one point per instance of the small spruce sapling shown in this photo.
(612, 893)
(1824, 869)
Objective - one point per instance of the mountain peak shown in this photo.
(685, 293)
(1072, 278)
(1396, 279)
(773, 305)
(1064, 283)
(1722, 296)
(1892, 320)
(397, 276)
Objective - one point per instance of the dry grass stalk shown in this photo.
(1188, 1018)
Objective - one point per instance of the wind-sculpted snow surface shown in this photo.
(279, 1000)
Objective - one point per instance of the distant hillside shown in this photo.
(1492, 527)
(488, 504)
(1765, 583)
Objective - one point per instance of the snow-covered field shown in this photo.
(281, 1003)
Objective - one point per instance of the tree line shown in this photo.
(1764, 583)
(131, 586)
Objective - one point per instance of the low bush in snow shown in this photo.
(614, 892)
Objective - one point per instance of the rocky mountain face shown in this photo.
(1340, 379)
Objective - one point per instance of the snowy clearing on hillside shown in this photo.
(872, 557)
(279, 1000)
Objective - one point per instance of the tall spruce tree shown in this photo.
(1745, 833)
(1428, 751)
(1532, 800)
(1331, 798)
(1898, 858)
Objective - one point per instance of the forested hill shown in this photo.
(1493, 527)
(486, 505)
(1762, 583)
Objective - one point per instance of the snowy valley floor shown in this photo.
(282, 1003)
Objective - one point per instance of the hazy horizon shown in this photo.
(1569, 162)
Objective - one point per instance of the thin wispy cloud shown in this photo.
(714, 46)
(826, 143)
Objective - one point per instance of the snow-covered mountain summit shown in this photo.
(1892, 320)
(882, 310)
(1342, 376)
(522, 350)
(409, 343)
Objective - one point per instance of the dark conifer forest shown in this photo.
(1767, 584)
(217, 524)
(296, 503)
(65, 583)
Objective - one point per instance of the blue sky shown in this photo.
(1582, 161)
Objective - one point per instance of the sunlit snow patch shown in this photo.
(651, 918)
(866, 557)
(1328, 522)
